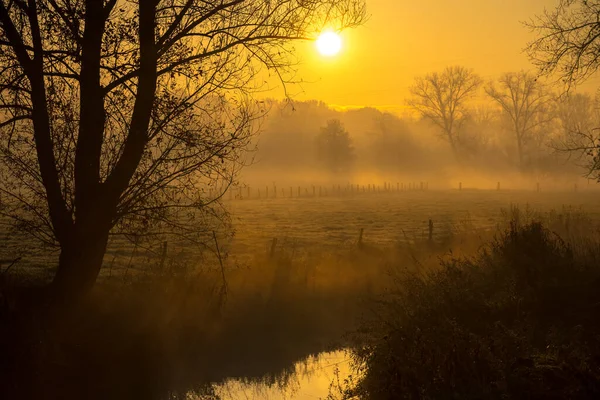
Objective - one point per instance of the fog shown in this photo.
(299, 199)
(403, 149)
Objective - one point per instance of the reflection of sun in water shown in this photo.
(329, 43)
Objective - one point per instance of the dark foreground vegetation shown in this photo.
(517, 320)
(506, 314)
(166, 334)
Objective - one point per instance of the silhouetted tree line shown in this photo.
(515, 123)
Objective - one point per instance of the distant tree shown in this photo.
(334, 147)
(525, 101)
(117, 114)
(579, 119)
(442, 99)
(568, 47)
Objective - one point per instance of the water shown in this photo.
(310, 380)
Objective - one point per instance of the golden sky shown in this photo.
(405, 38)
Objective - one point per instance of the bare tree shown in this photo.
(525, 101)
(568, 46)
(442, 97)
(579, 136)
(568, 40)
(117, 114)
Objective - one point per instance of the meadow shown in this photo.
(317, 224)
(191, 321)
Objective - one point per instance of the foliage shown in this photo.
(334, 147)
(517, 318)
(131, 117)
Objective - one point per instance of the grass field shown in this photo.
(387, 219)
(323, 224)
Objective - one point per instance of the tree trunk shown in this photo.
(520, 151)
(79, 264)
(454, 147)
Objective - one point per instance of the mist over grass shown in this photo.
(173, 330)
(515, 319)
(393, 148)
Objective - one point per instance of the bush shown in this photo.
(517, 320)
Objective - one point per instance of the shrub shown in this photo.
(518, 318)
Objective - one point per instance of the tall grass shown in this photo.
(516, 320)
(174, 330)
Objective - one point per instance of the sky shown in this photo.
(403, 39)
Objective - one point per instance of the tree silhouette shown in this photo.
(116, 114)
(567, 43)
(579, 118)
(525, 101)
(441, 98)
(568, 46)
(334, 147)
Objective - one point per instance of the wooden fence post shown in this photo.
(430, 230)
(273, 247)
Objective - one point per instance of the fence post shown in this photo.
(498, 187)
(430, 230)
(273, 247)
(266, 192)
(360, 237)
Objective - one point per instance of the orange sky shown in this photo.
(405, 38)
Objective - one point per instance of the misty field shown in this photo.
(387, 218)
(326, 224)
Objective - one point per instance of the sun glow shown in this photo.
(329, 44)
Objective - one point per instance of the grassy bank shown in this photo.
(170, 330)
(516, 320)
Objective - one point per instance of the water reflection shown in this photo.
(309, 379)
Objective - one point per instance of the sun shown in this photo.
(329, 43)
